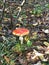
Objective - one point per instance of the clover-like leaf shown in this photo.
(29, 43)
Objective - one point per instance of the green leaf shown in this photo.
(18, 47)
(29, 43)
(47, 5)
(15, 16)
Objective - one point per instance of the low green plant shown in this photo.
(19, 48)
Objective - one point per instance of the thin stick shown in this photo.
(4, 1)
(20, 8)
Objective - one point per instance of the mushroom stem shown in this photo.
(21, 39)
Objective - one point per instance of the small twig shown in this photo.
(20, 7)
(22, 3)
(4, 1)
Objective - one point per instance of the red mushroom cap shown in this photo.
(21, 31)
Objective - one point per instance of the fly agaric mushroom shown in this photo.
(21, 32)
